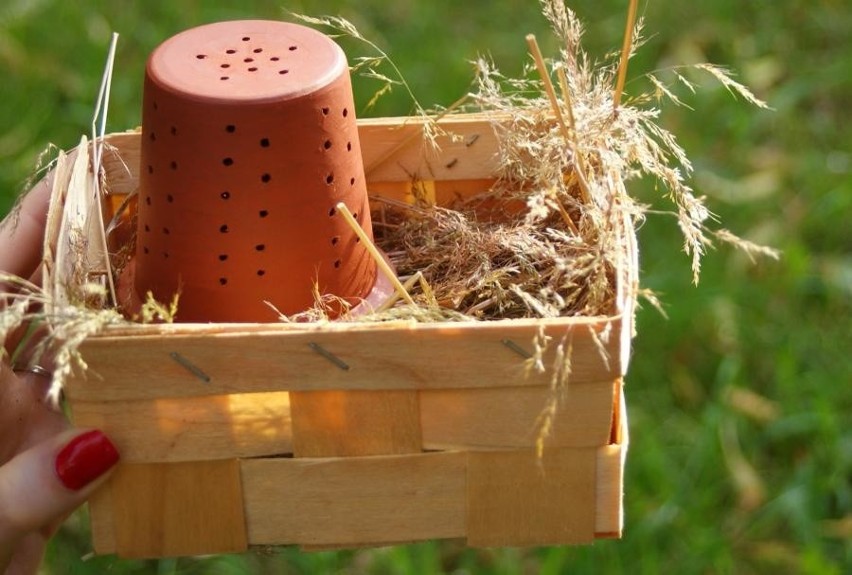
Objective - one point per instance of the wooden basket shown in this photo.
(353, 434)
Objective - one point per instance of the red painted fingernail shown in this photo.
(84, 459)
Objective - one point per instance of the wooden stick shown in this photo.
(374, 252)
(548, 85)
(388, 303)
(551, 94)
(578, 157)
(625, 53)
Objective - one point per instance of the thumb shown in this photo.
(50, 480)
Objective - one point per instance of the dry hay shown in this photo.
(552, 234)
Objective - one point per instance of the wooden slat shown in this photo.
(171, 509)
(393, 149)
(353, 500)
(101, 520)
(355, 423)
(517, 499)
(510, 417)
(439, 192)
(192, 429)
(609, 516)
(403, 356)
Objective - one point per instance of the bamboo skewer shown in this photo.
(578, 157)
(625, 53)
(374, 252)
(585, 196)
(548, 85)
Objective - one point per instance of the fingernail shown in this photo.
(84, 459)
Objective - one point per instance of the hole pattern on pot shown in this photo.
(245, 54)
(227, 171)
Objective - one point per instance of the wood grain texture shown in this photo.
(396, 151)
(399, 355)
(193, 428)
(510, 417)
(353, 500)
(355, 423)
(171, 509)
(518, 500)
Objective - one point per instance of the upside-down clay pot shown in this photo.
(249, 141)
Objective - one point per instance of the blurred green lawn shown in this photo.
(740, 402)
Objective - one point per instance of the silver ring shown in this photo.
(34, 369)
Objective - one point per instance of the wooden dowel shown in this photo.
(374, 252)
(548, 85)
(578, 157)
(625, 53)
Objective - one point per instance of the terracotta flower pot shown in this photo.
(249, 140)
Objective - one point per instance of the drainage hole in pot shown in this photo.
(223, 257)
(223, 229)
(147, 228)
(348, 146)
(223, 281)
(174, 130)
(263, 213)
(150, 169)
(225, 195)
(265, 178)
(224, 65)
(170, 198)
(201, 56)
(332, 212)
(146, 251)
(230, 51)
(345, 112)
(261, 273)
(247, 60)
(165, 255)
(264, 142)
(252, 69)
(351, 181)
(325, 111)
(152, 136)
(166, 231)
(148, 201)
(260, 247)
(335, 240)
(173, 165)
(354, 215)
(326, 144)
(337, 264)
(257, 50)
(246, 38)
(228, 161)
(285, 71)
(230, 128)
(274, 59)
(329, 179)
(224, 77)
(292, 48)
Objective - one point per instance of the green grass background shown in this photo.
(711, 486)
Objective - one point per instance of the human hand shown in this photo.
(46, 469)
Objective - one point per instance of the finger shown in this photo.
(25, 417)
(50, 480)
(22, 231)
(27, 554)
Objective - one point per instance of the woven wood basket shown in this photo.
(348, 434)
